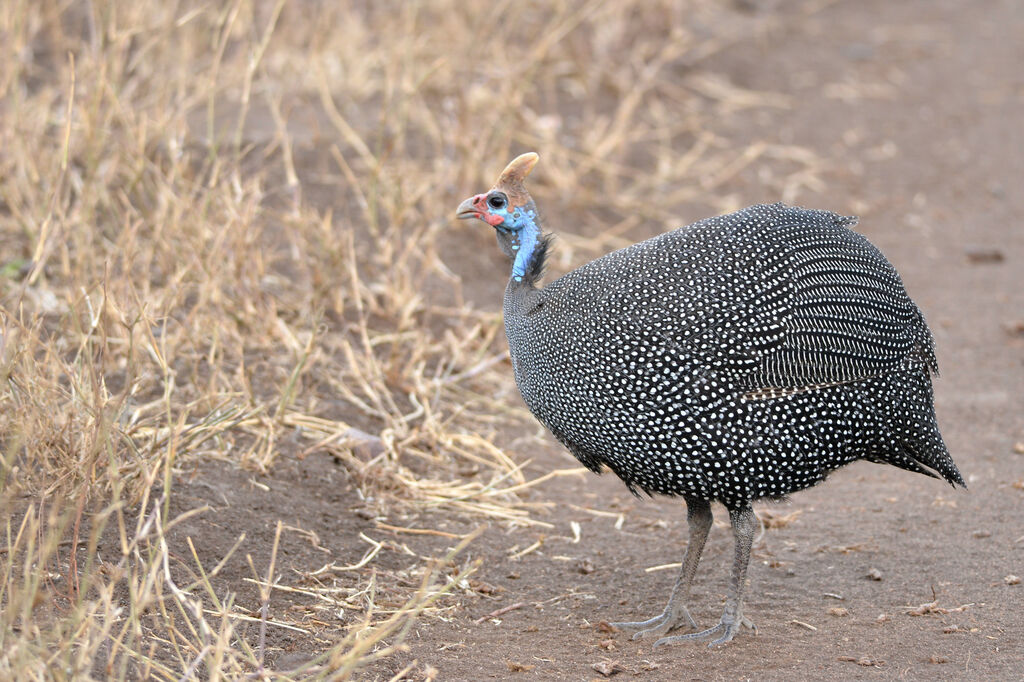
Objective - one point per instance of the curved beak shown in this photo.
(467, 210)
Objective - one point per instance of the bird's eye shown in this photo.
(496, 201)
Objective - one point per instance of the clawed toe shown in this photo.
(659, 625)
(728, 631)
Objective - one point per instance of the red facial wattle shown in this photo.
(483, 212)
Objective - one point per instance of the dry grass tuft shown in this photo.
(226, 235)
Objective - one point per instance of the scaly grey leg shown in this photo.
(744, 525)
(698, 516)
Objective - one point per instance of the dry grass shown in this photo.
(225, 226)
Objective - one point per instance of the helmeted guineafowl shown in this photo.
(743, 357)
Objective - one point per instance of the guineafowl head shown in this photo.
(510, 210)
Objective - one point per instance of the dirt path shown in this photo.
(917, 108)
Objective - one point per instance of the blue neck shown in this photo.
(524, 242)
(522, 230)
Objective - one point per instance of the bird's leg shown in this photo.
(698, 516)
(744, 524)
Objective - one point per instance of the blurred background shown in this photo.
(256, 413)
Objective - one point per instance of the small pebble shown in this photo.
(607, 668)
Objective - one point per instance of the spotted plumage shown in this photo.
(743, 357)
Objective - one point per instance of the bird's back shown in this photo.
(759, 314)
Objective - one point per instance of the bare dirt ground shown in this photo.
(917, 109)
(927, 151)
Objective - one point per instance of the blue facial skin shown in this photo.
(521, 225)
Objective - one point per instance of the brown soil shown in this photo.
(917, 107)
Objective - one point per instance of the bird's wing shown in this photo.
(803, 303)
(788, 301)
(840, 313)
(779, 298)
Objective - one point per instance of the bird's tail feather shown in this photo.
(919, 444)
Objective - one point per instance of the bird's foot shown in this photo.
(728, 630)
(668, 620)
